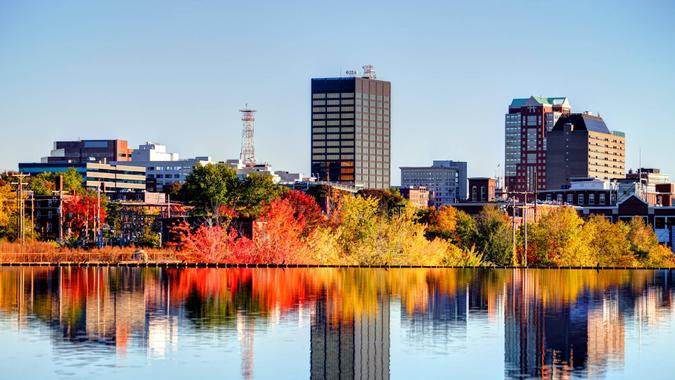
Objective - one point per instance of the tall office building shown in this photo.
(526, 126)
(350, 347)
(445, 180)
(581, 145)
(351, 130)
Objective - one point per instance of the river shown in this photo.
(333, 323)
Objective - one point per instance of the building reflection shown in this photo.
(555, 337)
(350, 348)
(557, 323)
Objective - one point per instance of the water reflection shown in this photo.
(555, 323)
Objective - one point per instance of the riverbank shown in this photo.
(185, 264)
(12, 253)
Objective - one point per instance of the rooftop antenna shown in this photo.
(369, 72)
(247, 155)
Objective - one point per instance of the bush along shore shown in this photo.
(370, 228)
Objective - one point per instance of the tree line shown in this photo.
(372, 227)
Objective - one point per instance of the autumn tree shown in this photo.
(645, 244)
(558, 239)
(80, 212)
(305, 209)
(388, 200)
(279, 236)
(608, 242)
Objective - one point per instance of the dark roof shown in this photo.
(582, 121)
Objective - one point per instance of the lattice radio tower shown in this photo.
(247, 156)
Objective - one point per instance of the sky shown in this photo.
(177, 72)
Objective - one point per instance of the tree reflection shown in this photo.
(556, 322)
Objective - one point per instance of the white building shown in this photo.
(163, 168)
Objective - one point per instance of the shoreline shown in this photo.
(179, 264)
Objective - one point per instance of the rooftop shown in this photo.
(556, 100)
(582, 121)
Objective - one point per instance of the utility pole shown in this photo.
(21, 207)
(32, 212)
(513, 230)
(525, 235)
(98, 216)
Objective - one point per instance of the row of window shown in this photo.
(163, 175)
(333, 130)
(351, 102)
(348, 95)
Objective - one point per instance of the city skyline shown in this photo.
(180, 76)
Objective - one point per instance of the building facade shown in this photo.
(161, 167)
(79, 151)
(526, 126)
(581, 145)
(351, 130)
(119, 182)
(419, 196)
(445, 180)
(482, 189)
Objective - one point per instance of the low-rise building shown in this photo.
(419, 196)
(581, 192)
(447, 180)
(118, 181)
(661, 218)
(163, 168)
(482, 189)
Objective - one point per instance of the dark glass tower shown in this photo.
(351, 130)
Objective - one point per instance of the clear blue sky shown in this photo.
(177, 72)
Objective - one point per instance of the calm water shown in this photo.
(335, 323)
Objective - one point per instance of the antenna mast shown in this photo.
(247, 155)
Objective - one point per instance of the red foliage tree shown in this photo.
(279, 235)
(305, 210)
(80, 213)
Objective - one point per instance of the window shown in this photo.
(570, 198)
(580, 199)
(591, 199)
(660, 222)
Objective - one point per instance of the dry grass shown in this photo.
(35, 252)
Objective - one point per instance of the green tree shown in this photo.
(254, 193)
(209, 187)
(72, 181)
(42, 184)
(493, 235)
(173, 190)
(466, 231)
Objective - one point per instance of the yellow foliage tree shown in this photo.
(558, 240)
